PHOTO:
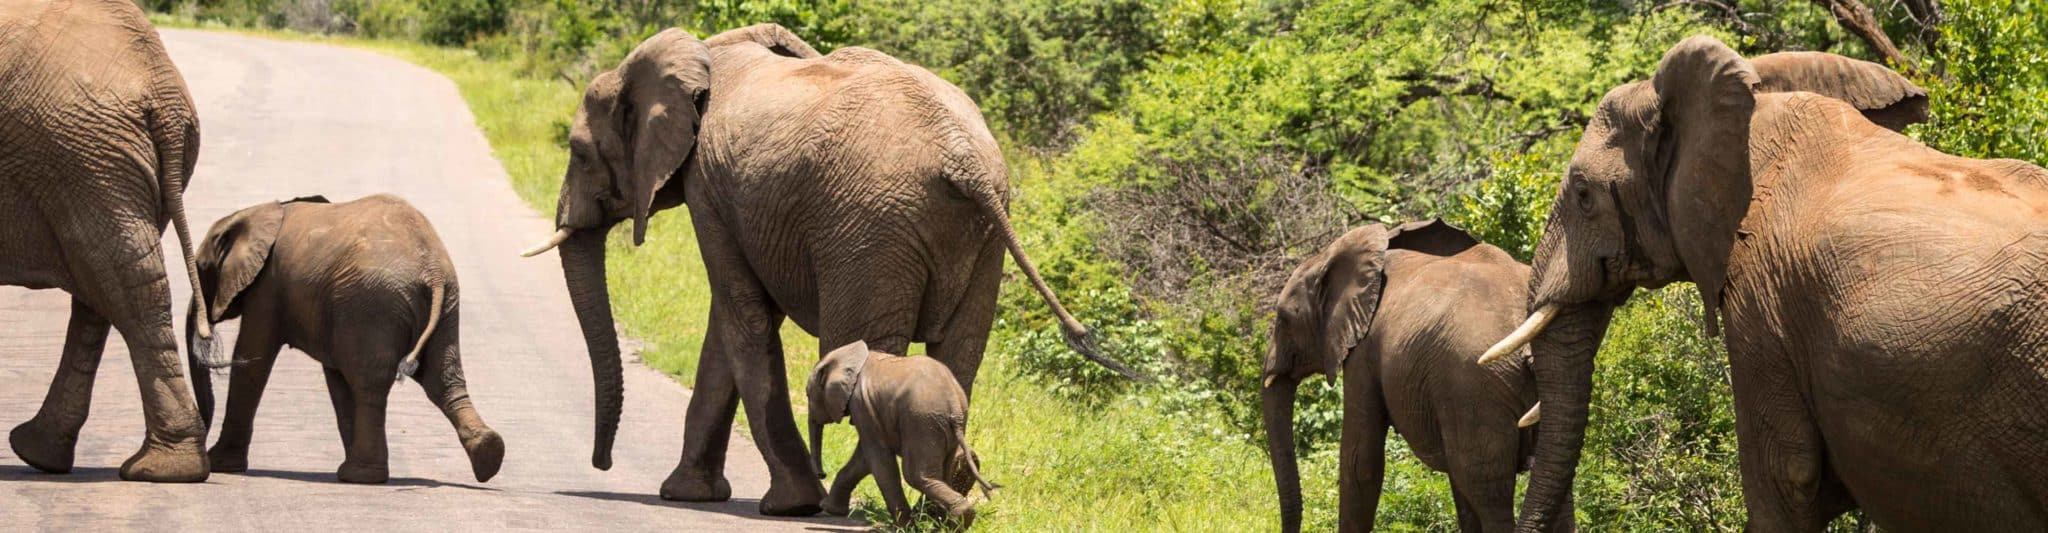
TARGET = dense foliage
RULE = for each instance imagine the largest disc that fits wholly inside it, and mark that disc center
(1174, 158)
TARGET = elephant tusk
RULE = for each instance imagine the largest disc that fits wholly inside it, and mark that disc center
(1522, 335)
(1534, 415)
(560, 236)
(1269, 380)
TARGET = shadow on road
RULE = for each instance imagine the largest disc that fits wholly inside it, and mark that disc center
(97, 474)
(742, 507)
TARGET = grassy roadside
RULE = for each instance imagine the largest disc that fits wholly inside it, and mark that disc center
(1065, 466)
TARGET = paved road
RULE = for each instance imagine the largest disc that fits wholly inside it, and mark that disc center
(287, 119)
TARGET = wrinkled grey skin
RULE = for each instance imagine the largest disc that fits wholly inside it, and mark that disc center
(859, 196)
(366, 289)
(906, 407)
(1882, 301)
(1404, 312)
(98, 139)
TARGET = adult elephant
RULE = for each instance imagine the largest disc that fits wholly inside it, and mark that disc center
(1404, 312)
(1883, 302)
(858, 195)
(98, 138)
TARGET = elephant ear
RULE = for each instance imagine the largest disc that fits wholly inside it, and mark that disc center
(1705, 94)
(663, 81)
(842, 370)
(1328, 305)
(1433, 237)
(234, 254)
(1884, 96)
(772, 36)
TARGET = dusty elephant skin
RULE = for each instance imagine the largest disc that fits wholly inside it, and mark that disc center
(857, 195)
(98, 138)
(1882, 301)
(1404, 312)
(366, 289)
(906, 407)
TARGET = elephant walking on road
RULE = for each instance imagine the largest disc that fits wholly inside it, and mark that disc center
(366, 289)
(1404, 312)
(98, 138)
(860, 196)
(1883, 302)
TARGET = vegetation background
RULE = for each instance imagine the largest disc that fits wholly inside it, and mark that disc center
(1174, 158)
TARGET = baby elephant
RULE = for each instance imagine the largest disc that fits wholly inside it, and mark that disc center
(902, 406)
(363, 287)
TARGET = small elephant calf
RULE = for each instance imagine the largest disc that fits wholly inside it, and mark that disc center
(902, 406)
(363, 287)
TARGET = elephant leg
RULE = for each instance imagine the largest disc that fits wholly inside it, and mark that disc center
(125, 281)
(1782, 459)
(756, 358)
(1482, 453)
(47, 441)
(925, 467)
(368, 453)
(1361, 460)
(255, 353)
(882, 464)
(344, 405)
(440, 376)
(839, 502)
(965, 339)
(707, 429)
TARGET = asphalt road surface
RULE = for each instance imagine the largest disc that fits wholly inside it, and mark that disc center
(282, 120)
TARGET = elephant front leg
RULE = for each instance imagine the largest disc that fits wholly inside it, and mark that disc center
(255, 354)
(1780, 453)
(839, 502)
(707, 429)
(47, 441)
(882, 463)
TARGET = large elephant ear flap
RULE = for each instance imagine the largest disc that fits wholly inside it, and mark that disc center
(843, 366)
(1706, 95)
(769, 35)
(1351, 290)
(234, 253)
(1882, 94)
(664, 81)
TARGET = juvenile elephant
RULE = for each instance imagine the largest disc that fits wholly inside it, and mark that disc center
(907, 407)
(858, 195)
(1882, 301)
(363, 287)
(98, 138)
(1404, 312)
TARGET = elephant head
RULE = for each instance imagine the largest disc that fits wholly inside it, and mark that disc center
(228, 261)
(830, 393)
(1661, 158)
(1324, 310)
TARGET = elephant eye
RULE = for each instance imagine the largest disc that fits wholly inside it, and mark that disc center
(1583, 196)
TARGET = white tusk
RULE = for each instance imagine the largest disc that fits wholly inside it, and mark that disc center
(1530, 418)
(1269, 380)
(1521, 336)
(556, 240)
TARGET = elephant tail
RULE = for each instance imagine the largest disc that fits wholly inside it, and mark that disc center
(411, 363)
(176, 136)
(974, 465)
(1077, 336)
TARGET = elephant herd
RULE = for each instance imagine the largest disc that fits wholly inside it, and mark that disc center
(1882, 303)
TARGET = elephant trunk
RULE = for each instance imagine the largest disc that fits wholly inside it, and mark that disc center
(1564, 378)
(1278, 407)
(818, 446)
(583, 267)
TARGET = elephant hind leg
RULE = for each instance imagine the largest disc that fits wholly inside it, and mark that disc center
(964, 341)
(48, 441)
(122, 277)
(440, 376)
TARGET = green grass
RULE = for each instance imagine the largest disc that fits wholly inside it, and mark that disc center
(1063, 465)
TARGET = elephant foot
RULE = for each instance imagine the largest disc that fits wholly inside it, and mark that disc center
(178, 463)
(961, 519)
(688, 488)
(362, 473)
(43, 449)
(793, 499)
(837, 505)
(224, 459)
(486, 453)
